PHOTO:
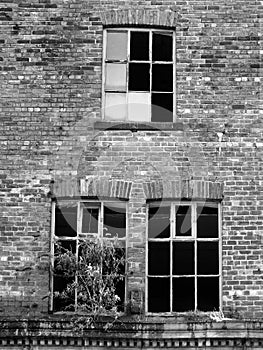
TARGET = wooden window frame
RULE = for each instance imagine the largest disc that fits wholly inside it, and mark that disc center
(192, 238)
(150, 61)
(93, 205)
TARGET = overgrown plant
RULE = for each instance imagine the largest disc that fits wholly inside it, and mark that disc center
(92, 278)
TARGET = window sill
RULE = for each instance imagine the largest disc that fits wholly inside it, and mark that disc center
(137, 126)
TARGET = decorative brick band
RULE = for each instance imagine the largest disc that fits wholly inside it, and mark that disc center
(139, 17)
(92, 187)
(188, 189)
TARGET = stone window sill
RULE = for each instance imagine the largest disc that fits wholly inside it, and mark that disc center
(135, 126)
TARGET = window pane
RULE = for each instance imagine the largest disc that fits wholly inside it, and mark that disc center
(114, 221)
(158, 294)
(66, 221)
(162, 107)
(115, 77)
(120, 292)
(183, 294)
(116, 45)
(139, 46)
(162, 47)
(207, 258)
(90, 218)
(183, 221)
(183, 258)
(208, 293)
(207, 222)
(115, 106)
(65, 246)
(159, 222)
(139, 77)
(159, 258)
(162, 77)
(139, 106)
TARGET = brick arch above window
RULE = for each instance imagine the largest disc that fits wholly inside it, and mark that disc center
(139, 17)
(184, 189)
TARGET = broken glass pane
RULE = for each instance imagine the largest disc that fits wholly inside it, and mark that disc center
(66, 221)
(139, 106)
(207, 222)
(183, 294)
(158, 294)
(139, 77)
(183, 221)
(207, 258)
(183, 258)
(162, 77)
(162, 47)
(114, 221)
(139, 46)
(116, 46)
(162, 107)
(208, 293)
(115, 76)
(90, 220)
(159, 258)
(159, 222)
(115, 106)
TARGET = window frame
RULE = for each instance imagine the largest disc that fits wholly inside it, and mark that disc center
(192, 238)
(128, 61)
(93, 204)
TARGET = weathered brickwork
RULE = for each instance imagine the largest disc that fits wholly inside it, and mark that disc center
(52, 139)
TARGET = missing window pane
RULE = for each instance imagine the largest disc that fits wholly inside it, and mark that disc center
(139, 49)
(114, 221)
(115, 77)
(66, 221)
(117, 45)
(207, 258)
(139, 77)
(115, 106)
(183, 294)
(159, 258)
(208, 293)
(183, 221)
(158, 294)
(162, 107)
(207, 222)
(90, 218)
(162, 77)
(162, 47)
(183, 258)
(159, 222)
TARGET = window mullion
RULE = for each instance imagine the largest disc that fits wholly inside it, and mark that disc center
(194, 223)
(150, 57)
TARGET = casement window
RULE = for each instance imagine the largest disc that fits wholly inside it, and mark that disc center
(183, 257)
(139, 75)
(76, 221)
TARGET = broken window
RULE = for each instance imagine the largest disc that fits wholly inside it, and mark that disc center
(139, 62)
(73, 224)
(183, 265)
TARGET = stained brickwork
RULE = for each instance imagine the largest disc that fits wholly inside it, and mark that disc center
(50, 102)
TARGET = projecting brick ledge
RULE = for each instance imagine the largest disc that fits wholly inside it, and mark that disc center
(165, 334)
(134, 126)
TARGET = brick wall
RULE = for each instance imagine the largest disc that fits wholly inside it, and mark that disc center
(51, 74)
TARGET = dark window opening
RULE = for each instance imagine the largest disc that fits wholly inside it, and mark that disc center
(90, 219)
(207, 293)
(139, 77)
(162, 47)
(158, 294)
(139, 49)
(162, 107)
(66, 221)
(162, 77)
(159, 222)
(207, 222)
(183, 221)
(114, 222)
(183, 294)
(159, 258)
(207, 258)
(183, 258)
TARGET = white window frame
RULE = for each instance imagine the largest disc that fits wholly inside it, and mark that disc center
(192, 238)
(129, 30)
(80, 235)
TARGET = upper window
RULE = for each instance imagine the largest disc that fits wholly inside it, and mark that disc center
(73, 224)
(139, 75)
(183, 270)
